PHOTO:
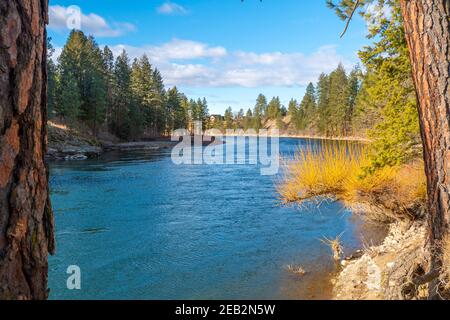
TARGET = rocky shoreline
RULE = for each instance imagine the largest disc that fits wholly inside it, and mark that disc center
(68, 144)
(378, 273)
(69, 152)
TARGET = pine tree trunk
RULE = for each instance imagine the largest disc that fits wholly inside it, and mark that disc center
(26, 219)
(428, 35)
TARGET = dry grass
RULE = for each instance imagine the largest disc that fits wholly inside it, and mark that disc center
(298, 270)
(446, 263)
(337, 170)
(336, 246)
(320, 171)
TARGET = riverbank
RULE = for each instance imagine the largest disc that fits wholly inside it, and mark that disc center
(314, 137)
(382, 271)
(66, 143)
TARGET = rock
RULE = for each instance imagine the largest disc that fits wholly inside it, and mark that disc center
(390, 265)
(76, 157)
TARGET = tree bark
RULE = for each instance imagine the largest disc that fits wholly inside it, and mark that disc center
(26, 219)
(427, 24)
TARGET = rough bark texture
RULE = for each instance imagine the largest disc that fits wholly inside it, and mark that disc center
(26, 219)
(428, 35)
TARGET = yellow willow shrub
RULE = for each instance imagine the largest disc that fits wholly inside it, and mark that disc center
(321, 170)
(339, 170)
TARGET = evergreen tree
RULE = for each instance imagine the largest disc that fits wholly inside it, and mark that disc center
(338, 100)
(176, 114)
(52, 81)
(323, 97)
(69, 98)
(157, 100)
(293, 109)
(94, 85)
(108, 69)
(228, 118)
(274, 108)
(142, 88)
(307, 109)
(248, 120)
(259, 111)
(121, 118)
(240, 118)
(353, 89)
(388, 94)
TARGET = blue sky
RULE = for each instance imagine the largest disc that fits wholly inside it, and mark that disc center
(225, 50)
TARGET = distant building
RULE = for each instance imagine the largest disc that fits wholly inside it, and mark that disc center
(215, 117)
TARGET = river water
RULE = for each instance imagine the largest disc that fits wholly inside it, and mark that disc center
(141, 227)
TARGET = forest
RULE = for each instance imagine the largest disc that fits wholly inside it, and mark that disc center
(88, 84)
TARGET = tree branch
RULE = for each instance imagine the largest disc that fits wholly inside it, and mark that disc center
(350, 17)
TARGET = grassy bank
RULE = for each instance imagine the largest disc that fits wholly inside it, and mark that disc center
(341, 171)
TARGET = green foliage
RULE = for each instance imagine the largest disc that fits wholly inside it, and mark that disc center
(88, 85)
(52, 81)
(248, 120)
(389, 93)
(306, 111)
(69, 98)
(229, 121)
(274, 108)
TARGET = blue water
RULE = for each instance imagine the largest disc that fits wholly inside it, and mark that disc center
(140, 227)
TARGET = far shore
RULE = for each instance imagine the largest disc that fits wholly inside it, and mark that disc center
(313, 137)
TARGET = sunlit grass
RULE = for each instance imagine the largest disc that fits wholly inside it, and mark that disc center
(339, 170)
(321, 170)
(446, 262)
(335, 246)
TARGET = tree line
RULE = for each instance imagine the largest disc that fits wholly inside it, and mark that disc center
(377, 100)
(128, 99)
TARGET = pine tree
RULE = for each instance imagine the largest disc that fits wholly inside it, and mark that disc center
(94, 86)
(176, 114)
(240, 118)
(157, 100)
(228, 118)
(259, 112)
(121, 120)
(307, 109)
(293, 108)
(52, 81)
(389, 95)
(248, 120)
(274, 108)
(353, 89)
(143, 90)
(338, 100)
(108, 69)
(323, 98)
(69, 98)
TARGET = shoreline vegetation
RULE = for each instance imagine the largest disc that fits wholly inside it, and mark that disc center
(393, 196)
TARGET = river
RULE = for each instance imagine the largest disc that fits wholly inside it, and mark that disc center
(141, 227)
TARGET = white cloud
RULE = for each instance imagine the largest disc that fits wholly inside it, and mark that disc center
(61, 18)
(171, 8)
(196, 64)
